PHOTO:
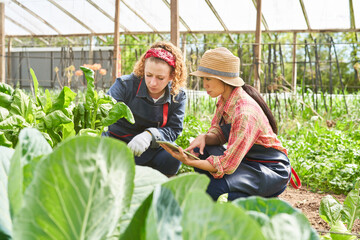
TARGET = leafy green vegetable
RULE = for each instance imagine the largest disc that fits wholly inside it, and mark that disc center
(336, 214)
(94, 114)
(146, 179)
(4, 141)
(119, 110)
(5, 100)
(36, 84)
(330, 209)
(351, 209)
(166, 214)
(5, 219)
(278, 220)
(205, 219)
(5, 88)
(340, 228)
(31, 145)
(84, 189)
(79, 191)
(57, 117)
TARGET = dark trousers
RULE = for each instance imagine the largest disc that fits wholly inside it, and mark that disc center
(156, 158)
(251, 178)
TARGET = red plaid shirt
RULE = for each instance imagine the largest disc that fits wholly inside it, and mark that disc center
(249, 125)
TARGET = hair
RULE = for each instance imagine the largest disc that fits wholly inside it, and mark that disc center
(179, 71)
(259, 99)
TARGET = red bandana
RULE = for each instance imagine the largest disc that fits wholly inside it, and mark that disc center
(162, 54)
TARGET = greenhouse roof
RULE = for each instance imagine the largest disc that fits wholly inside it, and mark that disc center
(96, 17)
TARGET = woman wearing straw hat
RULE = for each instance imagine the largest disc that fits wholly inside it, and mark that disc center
(153, 93)
(254, 162)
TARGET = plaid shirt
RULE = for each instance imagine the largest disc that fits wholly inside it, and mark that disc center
(249, 125)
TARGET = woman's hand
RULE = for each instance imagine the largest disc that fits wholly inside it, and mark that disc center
(185, 159)
(179, 154)
(199, 142)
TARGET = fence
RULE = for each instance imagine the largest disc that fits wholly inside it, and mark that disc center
(322, 67)
(52, 66)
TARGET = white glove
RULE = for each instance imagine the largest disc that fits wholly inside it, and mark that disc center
(140, 143)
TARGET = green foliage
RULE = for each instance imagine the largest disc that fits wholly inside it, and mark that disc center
(87, 188)
(56, 116)
(97, 110)
(323, 146)
(30, 147)
(326, 159)
(337, 215)
(51, 117)
(193, 126)
(77, 199)
(278, 219)
(5, 219)
(197, 205)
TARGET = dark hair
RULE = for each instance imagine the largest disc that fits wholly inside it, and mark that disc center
(259, 99)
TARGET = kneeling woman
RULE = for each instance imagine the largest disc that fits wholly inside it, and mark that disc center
(254, 161)
(155, 96)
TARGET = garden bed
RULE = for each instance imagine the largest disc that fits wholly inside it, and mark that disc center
(309, 202)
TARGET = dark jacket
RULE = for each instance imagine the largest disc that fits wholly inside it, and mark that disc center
(148, 115)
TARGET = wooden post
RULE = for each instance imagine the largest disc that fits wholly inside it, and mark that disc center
(9, 62)
(184, 45)
(2, 42)
(174, 24)
(116, 58)
(294, 66)
(257, 49)
(91, 50)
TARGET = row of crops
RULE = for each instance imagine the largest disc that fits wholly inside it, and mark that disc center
(58, 116)
(61, 180)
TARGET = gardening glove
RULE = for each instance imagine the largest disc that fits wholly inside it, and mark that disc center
(140, 143)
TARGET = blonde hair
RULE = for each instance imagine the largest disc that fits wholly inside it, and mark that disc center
(179, 71)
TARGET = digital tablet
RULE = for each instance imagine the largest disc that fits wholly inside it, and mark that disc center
(175, 148)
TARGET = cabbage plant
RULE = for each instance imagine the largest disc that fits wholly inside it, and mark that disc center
(88, 187)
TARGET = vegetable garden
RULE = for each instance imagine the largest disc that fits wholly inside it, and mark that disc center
(61, 180)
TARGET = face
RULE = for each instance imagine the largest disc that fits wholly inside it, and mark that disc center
(157, 77)
(214, 87)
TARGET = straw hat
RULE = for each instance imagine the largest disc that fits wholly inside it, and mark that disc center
(220, 63)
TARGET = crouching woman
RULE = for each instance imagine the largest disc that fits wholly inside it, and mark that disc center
(254, 161)
(155, 96)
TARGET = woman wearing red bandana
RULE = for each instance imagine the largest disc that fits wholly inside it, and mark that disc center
(154, 95)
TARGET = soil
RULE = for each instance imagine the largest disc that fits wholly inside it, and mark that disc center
(309, 202)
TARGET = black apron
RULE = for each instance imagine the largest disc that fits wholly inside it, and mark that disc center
(159, 118)
(263, 171)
